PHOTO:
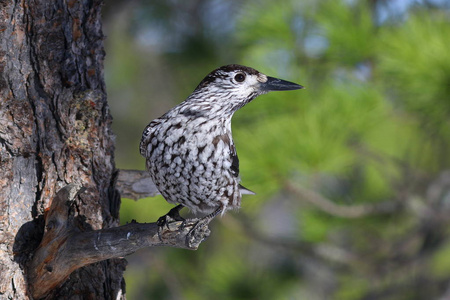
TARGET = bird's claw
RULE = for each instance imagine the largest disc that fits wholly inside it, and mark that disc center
(172, 215)
(198, 233)
(203, 223)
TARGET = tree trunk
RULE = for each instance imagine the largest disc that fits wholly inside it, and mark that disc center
(54, 130)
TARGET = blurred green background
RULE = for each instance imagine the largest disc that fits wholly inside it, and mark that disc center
(352, 174)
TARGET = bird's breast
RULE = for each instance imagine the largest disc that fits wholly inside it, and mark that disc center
(193, 137)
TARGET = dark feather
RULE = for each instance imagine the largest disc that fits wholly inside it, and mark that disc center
(234, 162)
(245, 191)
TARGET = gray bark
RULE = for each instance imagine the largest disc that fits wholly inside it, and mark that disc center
(54, 130)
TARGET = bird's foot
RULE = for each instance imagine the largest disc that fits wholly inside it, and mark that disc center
(171, 216)
(202, 224)
(214, 214)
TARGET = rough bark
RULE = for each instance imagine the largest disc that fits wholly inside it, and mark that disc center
(54, 130)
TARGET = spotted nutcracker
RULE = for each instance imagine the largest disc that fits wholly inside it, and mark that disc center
(190, 152)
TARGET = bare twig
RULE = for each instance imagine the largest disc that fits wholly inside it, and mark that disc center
(135, 184)
(64, 249)
(353, 211)
(307, 249)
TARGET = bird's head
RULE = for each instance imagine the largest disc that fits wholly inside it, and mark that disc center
(236, 85)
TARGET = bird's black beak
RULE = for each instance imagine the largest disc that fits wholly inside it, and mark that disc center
(275, 84)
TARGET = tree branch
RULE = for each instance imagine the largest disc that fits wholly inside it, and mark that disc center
(344, 211)
(64, 248)
(135, 184)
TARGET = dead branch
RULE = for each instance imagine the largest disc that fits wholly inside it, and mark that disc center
(349, 211)
(64, 248)
(135, 184)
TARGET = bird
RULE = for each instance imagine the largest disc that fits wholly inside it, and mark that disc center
(189, 151)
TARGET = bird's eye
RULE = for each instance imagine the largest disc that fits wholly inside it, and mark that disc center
(239, 77)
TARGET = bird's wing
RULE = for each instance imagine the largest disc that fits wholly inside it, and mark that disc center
(234, 161)
(235, 170)
(147, 137)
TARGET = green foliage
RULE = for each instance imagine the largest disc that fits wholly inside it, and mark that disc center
(371, 128)
(415, 64)
(349, 29)
(440, 264)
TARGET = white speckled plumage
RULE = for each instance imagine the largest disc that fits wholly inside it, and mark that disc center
(190, 152)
